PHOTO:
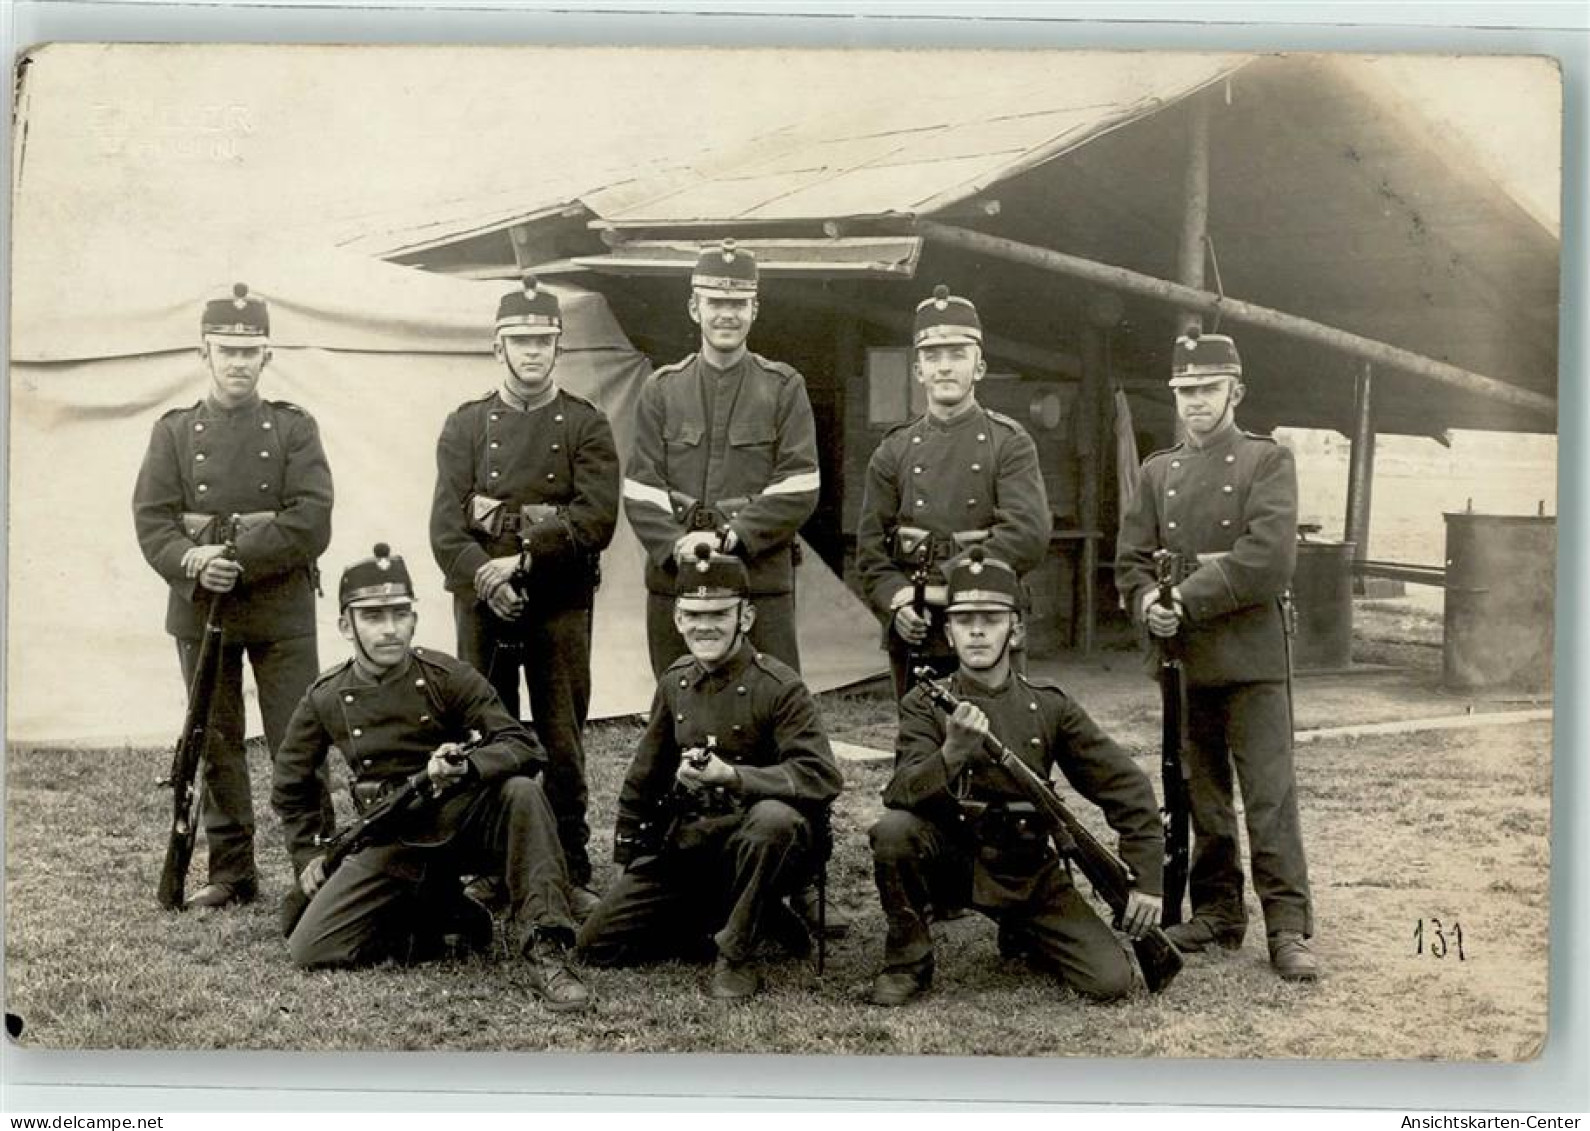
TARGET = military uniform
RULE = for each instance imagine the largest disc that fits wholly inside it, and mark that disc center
(716, 864)
(262, 460)
(971, 480)
(936, 487)
(372, 907)
(972, 840)
(1228, 505)
(493, 459)
(739, 444)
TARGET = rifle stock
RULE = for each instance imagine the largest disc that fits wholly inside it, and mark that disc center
(186, 776)
(1109, 876)
(1174, 814)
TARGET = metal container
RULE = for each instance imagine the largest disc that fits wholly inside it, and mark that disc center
(1501, 573)
(1322, 600)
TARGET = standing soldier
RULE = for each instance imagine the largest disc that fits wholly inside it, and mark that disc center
(725, 805)
(956, 476)
(526, 500)
(1226, 501)
(725, 456)
(237, 453)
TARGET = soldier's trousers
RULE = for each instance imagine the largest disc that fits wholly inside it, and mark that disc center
(1248, 727)
(383, 902)
(553, 649)
(721, 879)
(283, 671)
(916, 863)
(772, 632)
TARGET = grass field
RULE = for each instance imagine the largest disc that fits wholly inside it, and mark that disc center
(1451, 827)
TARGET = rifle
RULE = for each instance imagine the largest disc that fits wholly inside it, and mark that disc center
(1112, 880)
(186, 776)
(371, 826)
(1169, 569)
(702, 517)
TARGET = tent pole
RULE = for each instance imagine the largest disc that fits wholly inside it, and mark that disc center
(1361, 471)
(1195, 213)
(1089, 401)
(1134, 282)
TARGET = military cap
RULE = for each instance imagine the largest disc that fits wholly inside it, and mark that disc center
(1202, 357)
(379, 580)
(711, 582)
(238, 320)
(979, 583)
(529, 310)
(946, 319)
(725, 271)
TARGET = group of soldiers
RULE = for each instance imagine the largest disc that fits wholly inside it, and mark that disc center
(723, 821)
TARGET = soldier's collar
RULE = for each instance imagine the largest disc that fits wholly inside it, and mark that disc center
(391, 675)
(213, 407)
(966, 682)
(520, 404)
(732, 667)
(1221, 439)
(961, 419)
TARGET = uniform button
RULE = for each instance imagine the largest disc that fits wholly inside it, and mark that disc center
(419, 683)
(558, 419)
(1228, 488)
(425, 718)
(914, 439)
(494, 417)
(557, 447)
(682, 681)
(977, 467)
(740, 690)
(679, 718)
(1175, 464)
(921, 502)
(981, 437)
(916, 471)
(358, 732)
(1035, 742)
(971, 502)
(203, 487)
(495, 445)
(347, 697)
(198, 427)
(736, 726)
(1231, 459)
(552, 477)
(1172, 525)
(264, 486)
(1172, 491)
(266, 426)
(1032, 707)
(494, 475)
(369, 762)
(199, 456)
(1225, 522)
(264, 455)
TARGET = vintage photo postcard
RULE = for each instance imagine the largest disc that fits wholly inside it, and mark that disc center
(1019, 553)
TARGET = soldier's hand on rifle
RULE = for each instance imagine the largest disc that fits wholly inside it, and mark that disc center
(442, 771)
(685, 547)
(313, 875)
(1163, 621)
(967, 736)
(715, 772)
(197, 557)
(1142, 912)
(494, 574)
(505, 601)
(220, 574)
(913, 629)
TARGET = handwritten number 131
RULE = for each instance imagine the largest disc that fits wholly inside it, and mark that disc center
(1438, 938)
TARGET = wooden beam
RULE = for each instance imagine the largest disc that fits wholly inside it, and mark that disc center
(1361, 468)
(1147, 286)
(1195, 211)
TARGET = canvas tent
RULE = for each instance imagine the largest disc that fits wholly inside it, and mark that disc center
(379, 354)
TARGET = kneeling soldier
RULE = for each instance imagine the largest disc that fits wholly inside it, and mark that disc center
(393, 710)
(724, 811)
(958, 833)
